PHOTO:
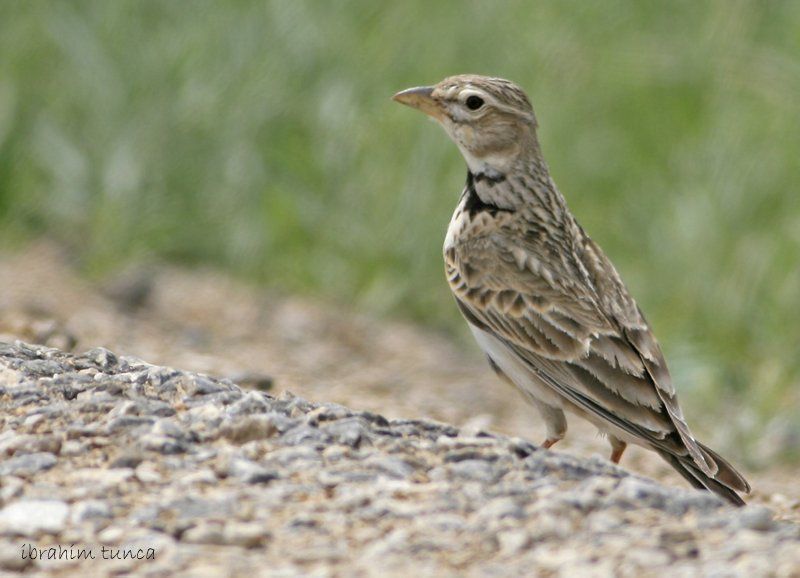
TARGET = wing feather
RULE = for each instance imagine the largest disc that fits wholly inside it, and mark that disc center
(584, 337)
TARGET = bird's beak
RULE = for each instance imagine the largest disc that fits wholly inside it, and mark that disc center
(421, 98)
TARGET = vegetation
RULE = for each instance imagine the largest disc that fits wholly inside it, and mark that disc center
(260, 137)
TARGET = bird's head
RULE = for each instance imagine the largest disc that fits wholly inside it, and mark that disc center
(490, 119)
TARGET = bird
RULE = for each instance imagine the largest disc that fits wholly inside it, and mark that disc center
(542, 299)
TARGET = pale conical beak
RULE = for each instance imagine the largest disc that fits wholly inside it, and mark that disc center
(421, 98)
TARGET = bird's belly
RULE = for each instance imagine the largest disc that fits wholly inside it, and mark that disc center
(531, 385)
(515, 369)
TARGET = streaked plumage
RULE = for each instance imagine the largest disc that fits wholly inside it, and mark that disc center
(542, 299)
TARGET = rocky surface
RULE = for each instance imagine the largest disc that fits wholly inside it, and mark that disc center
(194, 476)
(203, 321)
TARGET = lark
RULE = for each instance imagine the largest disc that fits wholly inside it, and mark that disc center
(542, 299)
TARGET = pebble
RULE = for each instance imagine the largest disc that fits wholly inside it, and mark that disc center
(162, 444)
(511, 542)
(349, 431)
(249, 428)
(147, 473)
(11, 487)
(31, 518)
(245, 534)
(757, 518)
(250, 472)
(205, 532)
(101, 357)
(28, 464)
(89, 510)
(477, 470)
(203, 476)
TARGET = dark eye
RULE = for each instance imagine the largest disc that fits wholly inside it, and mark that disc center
(474, 102)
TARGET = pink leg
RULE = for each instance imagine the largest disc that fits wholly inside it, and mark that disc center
(617, 449)
(549, 442)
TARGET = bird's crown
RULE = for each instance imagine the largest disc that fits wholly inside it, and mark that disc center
(471, 89)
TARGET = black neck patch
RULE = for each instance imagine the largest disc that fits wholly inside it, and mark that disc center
(489, 179)
(474, 203)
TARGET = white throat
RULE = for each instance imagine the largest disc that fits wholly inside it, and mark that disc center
(490, 165)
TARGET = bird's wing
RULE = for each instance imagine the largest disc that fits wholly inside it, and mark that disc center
(574, 325)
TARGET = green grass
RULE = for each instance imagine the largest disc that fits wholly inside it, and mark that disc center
(260, 137)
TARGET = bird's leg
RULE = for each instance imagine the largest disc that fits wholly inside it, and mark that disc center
(550, 442)
(617, 449)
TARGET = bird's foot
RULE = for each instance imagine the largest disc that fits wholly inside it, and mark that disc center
(550, 442)
(617, 449)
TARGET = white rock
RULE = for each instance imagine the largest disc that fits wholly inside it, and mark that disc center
(33, 517)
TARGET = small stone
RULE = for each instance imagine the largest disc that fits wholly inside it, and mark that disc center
(476, 470)
(33, 517)
(349, 432)
(124, 422)
(327, 412)
(168, 428)
(11, 558)
(249, 472)
(28, 464)
(11, 487)
(98, 479)
(127, 460)
(521, 448)
(159, 376)
(306, 435)
(245, 535)
(636, 492)
(42, 368)
(758, 518)
(647, 557)
(32, 421)
(111, 535)
(204, 476)
(204, 532)
(512, 542)
(163, 444)
(251, 402)
(249, 428)
(201, 385)
(148, 474)
(102, 358)
(503, 507)
(89, 510)
(393, 467)
(205, 412)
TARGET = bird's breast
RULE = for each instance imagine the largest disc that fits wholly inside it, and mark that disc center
(469, 225)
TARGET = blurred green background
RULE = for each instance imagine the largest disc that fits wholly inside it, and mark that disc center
(260, 137)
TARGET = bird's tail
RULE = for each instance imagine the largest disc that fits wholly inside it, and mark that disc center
(725, 483)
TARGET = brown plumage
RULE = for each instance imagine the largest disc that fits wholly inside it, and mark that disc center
(542, 299)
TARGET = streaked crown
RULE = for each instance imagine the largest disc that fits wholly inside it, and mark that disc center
(497, 93)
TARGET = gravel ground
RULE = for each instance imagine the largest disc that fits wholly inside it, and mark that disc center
(203, 322)
(196, 476)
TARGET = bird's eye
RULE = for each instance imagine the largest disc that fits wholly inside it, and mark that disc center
(474, 102)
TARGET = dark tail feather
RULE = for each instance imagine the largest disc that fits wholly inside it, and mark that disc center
(687, 468)
(726, 473)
